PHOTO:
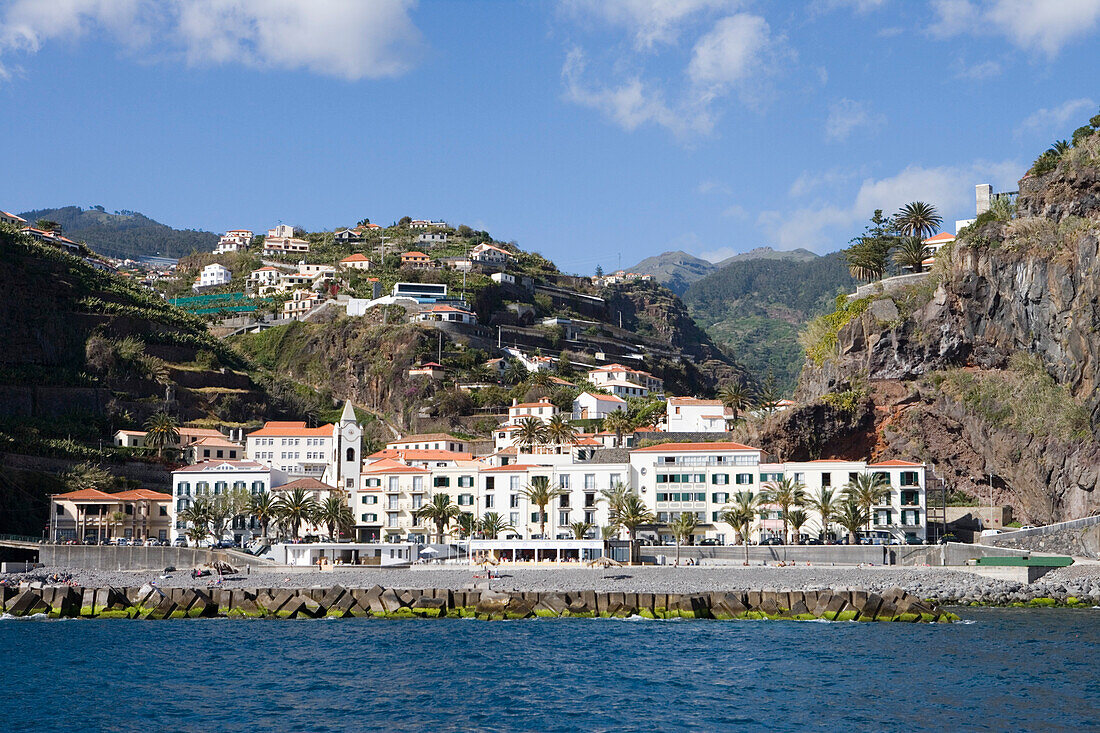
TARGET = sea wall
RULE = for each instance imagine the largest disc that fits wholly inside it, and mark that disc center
(109, 557)
(151, 602)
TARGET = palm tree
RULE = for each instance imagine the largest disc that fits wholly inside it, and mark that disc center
(580, 529)
(735, 398)
(797, 519)
(633, 514)
(785, 493)
(198, 515)
(911, 254)
(531, 433)
(264, 509)
(560, 431)
(867, 490)
(741, 513)
(492, 525)
(335, 514)
(296, 507)
(467, 525)
(618, 422)
(918, 219)
(440, 510)
(515, 372)
(1059, 147)
(539, 379)
(682, 527)
(867, 258)
(826, 504)
(540, 493)
(161, 430)
(852, 517)
(616, 500)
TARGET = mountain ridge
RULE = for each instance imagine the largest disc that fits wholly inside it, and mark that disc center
(124, 234)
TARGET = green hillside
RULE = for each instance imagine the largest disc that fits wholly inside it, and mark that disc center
(124, 234)
(756, 308)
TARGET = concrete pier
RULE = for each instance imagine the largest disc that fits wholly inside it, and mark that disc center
(152, 602)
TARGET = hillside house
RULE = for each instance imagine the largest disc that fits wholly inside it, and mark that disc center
(416, 260)
(694, 415)
(544, 409)
(431, 370)
(426, 224)
(265, 276)
(357, 261)
(446, 314)
(430, 441)
(235, 240)
(487, 254)
(605, 375)
(348, 236)
(54, 238)
(12, 219)
(300, 304)
(590, 406)
(213, 275)
(433, 238)
(210, 449)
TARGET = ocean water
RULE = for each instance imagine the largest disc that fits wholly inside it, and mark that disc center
(999, 670)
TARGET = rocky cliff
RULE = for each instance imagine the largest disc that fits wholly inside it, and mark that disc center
(988, 368)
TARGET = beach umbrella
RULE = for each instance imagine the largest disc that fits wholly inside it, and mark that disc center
(429, 551)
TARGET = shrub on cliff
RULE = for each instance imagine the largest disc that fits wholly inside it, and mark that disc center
(819, 338)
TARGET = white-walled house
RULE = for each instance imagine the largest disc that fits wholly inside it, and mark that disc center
(590, 406)
(357, 261)
(329, 453)
(694, 415)
(544, 409)
(235, 240)
(212, 479)
(487, 254)
(213, 275)
(446, 314)
(430, 441)
(264, 277)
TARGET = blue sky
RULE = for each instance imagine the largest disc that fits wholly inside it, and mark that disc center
(587, 130)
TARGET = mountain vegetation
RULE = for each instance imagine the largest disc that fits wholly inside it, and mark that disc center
(755, 308)
(124, 234)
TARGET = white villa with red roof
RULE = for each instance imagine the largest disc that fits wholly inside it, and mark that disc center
(235, 240)
(590, 406)
(446, 314)
(357, 261)
(694, 415)
(488, 254)
(88, 515)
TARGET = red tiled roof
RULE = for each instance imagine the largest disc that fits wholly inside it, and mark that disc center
(86, 495)
(147, 494)
(666, 447)
(513, 467)
(388, 465)
(422, 454)
(291, 429)
(693, 401)
(309, 484)
(887, 464)
(941, 237)
(357, 257)
(218, 465)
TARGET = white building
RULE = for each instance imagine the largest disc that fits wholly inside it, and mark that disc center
(264, 277)
(617, 373)
(433, 238)
(446, 314)
(235, 240)
(213, 479)
(12, 219)
(430, 441)
(693, 415)
(357, 261)
(281, 240)
(590, 406)
(487, 254)
(329, 453)
(213, 275)
(544, 409)
(299, 305)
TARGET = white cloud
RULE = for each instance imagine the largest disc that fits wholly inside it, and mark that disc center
(979, 72)
(736, 54)
(1033, 25)
(651, 22)
(342, 38)
(735, 211)
(808, 182)
(1053, 121)
(859, 6)
(826, 227)
(718, 254)
(712, 186)
(731, 52)
(848, 115)
(629, 104)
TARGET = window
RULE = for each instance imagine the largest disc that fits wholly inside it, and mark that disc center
(720, 479)
(465, 482)
(350, 454)
(465, 499)
(441, 481)
(513, 519)
(513, 483)
(909, 478)
(418, 501)
(163, 511)
(394, 483)
(535, 517)
(513, 501)
(392, 503)
(590, 481)
(490, 483)
(826, 479)
(744, 478)
(220, 487)
(563, 519)
(418, 483)
(662, 517)
(563, 481)
(714, 516)
(852, 476)
(589, 500)
(615, 479)
(391, 519)
(720, 497)
(488, 501)
(202, 487)
(373, 482)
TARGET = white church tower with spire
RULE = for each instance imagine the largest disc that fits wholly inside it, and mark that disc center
(347, 441)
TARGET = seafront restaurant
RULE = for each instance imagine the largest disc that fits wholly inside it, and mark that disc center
(90, 515)
(327, 555)
(536, 551)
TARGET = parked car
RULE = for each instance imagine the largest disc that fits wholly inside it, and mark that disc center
(152, 542)
(224, 544)
(810, 541)
(708, 542)
(772, 541)
(180, 542)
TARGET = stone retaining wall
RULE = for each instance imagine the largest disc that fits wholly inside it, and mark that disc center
(151, 602)
(109, 557)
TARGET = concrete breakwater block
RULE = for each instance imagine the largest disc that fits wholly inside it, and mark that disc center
(153, 603)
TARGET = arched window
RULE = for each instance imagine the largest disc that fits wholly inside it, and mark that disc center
(351, 454)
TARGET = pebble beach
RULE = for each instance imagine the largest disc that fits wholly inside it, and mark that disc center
(950, 587)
